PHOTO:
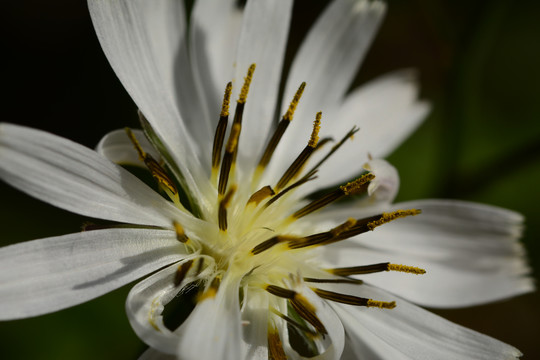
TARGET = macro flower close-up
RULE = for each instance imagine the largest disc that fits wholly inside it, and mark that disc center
(253, 203)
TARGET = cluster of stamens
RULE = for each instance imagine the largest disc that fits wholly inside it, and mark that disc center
(224, 156)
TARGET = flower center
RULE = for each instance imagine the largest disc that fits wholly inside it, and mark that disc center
(261, 236)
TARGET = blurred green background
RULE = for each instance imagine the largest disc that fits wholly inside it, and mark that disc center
(479, 65)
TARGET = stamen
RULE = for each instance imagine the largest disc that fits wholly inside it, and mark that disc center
(260, 195)
(352, 188)
(275, 346)
(280, 292)
(247, 82)
(307, 311)
(299, 162)
(267, 244)
(334, 281)
(221, 129)
(228, 158)
(353, 300)
(293, 322)
(314, 139)
(182, 271)
(406, 269)
(158, 172)
(387, 217)
(338, 230)
(374, 268)
(280, 130)
(223, 205)
(180, 233)
(347, 136)
(302, 181)
(357, 186)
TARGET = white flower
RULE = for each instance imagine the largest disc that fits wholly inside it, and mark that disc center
(266, 267)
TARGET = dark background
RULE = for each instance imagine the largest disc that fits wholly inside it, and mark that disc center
(479, 65)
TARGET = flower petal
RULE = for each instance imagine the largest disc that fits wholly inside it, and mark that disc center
(385, 186)
(470, 251)
(117, 147)
(143, 42)
(262, 41)
(410, 332)
(216, 321)
(147, 299)
(50, 274)
(75, 178)
(214, 32)
(327, 60)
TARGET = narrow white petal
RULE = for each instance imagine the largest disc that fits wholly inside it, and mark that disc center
(327, 61)
(470, 251)
(214, 32)
(144, 42)
(147, 299)
(213, 330)
(46, 275)
(73, 177)
(117, 147)
(410, 332)
(262, 41)
(255, 325)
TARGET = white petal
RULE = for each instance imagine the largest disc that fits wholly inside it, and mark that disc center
(470, 251)
(46, 275)
(75, 178)
(117, 147)
(142, 41)
(386, 110)
(255, 325)
(385, 186)
(262, 41)
(147, 299)
(214, 32)
(327, 61)
(409, 332)
(213, 330)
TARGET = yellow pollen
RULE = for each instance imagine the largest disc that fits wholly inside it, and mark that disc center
(387, 217)
(233, 138)
(356, 186)
(406, 269)
(247, 82)
(314, 139)
(381, 304)
(226, 100)
(294, 103)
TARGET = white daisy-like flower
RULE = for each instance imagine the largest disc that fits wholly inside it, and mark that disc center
(232, 232)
